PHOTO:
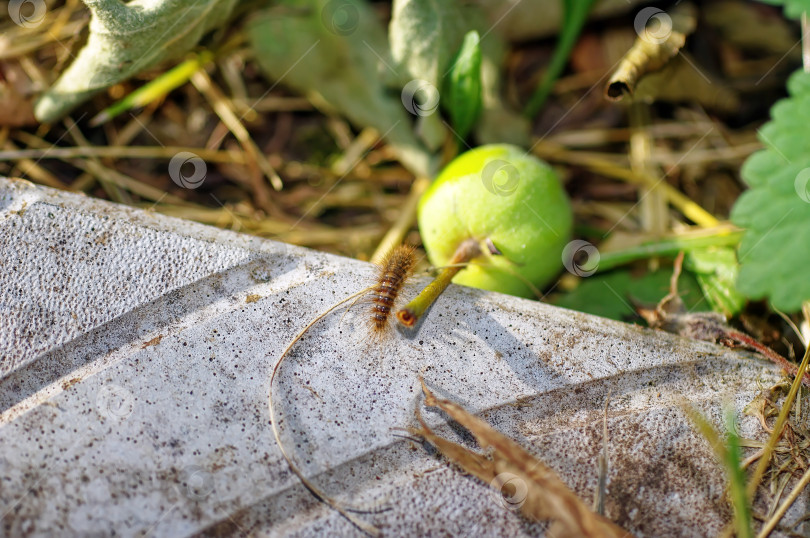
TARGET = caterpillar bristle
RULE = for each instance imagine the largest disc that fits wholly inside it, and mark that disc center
(394, 270)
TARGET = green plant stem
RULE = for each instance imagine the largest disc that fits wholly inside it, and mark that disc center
(160, 86)
(574, 14)
(667, 247)
(410, 314)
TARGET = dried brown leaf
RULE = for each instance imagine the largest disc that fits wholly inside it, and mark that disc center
(543, 496)
(660, 37)
(682, 80)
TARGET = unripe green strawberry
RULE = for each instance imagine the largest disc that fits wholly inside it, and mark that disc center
(501, 196)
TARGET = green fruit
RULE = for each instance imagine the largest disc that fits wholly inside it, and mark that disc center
(514, 200)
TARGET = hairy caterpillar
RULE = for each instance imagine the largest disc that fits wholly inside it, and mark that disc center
(394, 270)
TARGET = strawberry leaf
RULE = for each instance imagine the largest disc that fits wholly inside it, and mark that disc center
(793, 8)
(775, 250)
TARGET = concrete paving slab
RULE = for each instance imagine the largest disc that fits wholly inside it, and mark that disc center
(136, 352)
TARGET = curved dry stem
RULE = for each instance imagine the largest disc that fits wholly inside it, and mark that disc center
(318, 493)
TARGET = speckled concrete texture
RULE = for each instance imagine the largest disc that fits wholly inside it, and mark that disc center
(136, 351)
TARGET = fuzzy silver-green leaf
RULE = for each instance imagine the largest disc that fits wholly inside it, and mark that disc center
(124, 40)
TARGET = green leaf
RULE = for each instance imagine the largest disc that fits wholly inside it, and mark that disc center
(775, 251)
(736, 475)
(124, 40)
(575, 12)
(424, 35)
(462, 97)
(608, 295)
(729, 453)
(793, 8)
(716, 271)
(337, 55)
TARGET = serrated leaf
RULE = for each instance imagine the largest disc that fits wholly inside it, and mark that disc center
(463, 89)
(775, 251)
(716, 271)
(608, 295)
(339, 65)
(124, 40)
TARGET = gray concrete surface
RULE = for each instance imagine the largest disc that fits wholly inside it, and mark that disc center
(136, 351)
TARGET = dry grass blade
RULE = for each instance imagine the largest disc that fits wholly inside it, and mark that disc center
(778, 429)
(602, 165)
(404, 222)
(653, 48)
(546, 496)
(728, 453)
(17, 41)
(771, 524)
(31, 169)
(118, 152)
(223, 109)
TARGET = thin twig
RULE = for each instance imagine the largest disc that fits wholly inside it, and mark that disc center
(121, 152)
